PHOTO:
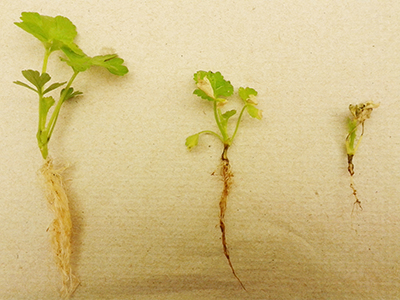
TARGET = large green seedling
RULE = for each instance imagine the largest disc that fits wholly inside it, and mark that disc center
(360, 113)
(214, 88)
(58, 34)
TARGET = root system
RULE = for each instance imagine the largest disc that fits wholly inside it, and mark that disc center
(357, 201)
(227, 175)
(60, 228)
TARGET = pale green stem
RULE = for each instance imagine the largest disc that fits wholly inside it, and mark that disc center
(45, 60)
(350, 142)
(225, 136)
(213, 133)
(42, 118)
(358, 144)
(54, 116)
(351, 150)
(238, 122)
(359, 139)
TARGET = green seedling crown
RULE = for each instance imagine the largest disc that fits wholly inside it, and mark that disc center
(58, 34)
(214, 88)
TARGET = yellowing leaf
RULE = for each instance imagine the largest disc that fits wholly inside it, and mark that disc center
(192, 141)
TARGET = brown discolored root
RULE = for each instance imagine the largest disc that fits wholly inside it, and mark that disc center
(350, 167)
(227, 175)
(60, 228)
(357, 202)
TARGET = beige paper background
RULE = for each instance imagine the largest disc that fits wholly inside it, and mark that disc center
(145, 209)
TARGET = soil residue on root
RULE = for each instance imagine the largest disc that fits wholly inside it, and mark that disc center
(227, 175)
(60, 228)
(350, 168)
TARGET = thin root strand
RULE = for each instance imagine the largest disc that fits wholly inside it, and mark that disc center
(351, 171)
(357, 202)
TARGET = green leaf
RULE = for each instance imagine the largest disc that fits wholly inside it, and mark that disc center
(220, 87)
(202, 94)
(54, 86)
(192, 141)
(228, 114)
(52, 32)
(25, 85)
(254, 112)
(247, 95)
(111, 62)
(80, 62)
(225, 118)
(70, 93)
(37, 79)
(48, 102)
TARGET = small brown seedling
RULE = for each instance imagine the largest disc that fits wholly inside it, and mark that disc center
(360, 113)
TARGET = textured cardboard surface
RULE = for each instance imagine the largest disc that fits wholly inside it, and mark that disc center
(145, 209)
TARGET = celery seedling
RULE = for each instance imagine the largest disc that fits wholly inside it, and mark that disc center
(58, 34)
(360, 113)
(214, 88)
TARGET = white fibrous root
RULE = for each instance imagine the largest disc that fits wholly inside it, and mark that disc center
(60, 228)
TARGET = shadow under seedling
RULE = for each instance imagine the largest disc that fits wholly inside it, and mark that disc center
(360, 113)
(58, 34)
(214, 88)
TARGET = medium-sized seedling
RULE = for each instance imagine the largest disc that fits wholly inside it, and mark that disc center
(58, 34)
(214, 88)
(360, 113)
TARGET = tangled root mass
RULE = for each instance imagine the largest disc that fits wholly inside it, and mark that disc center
(60, 228)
